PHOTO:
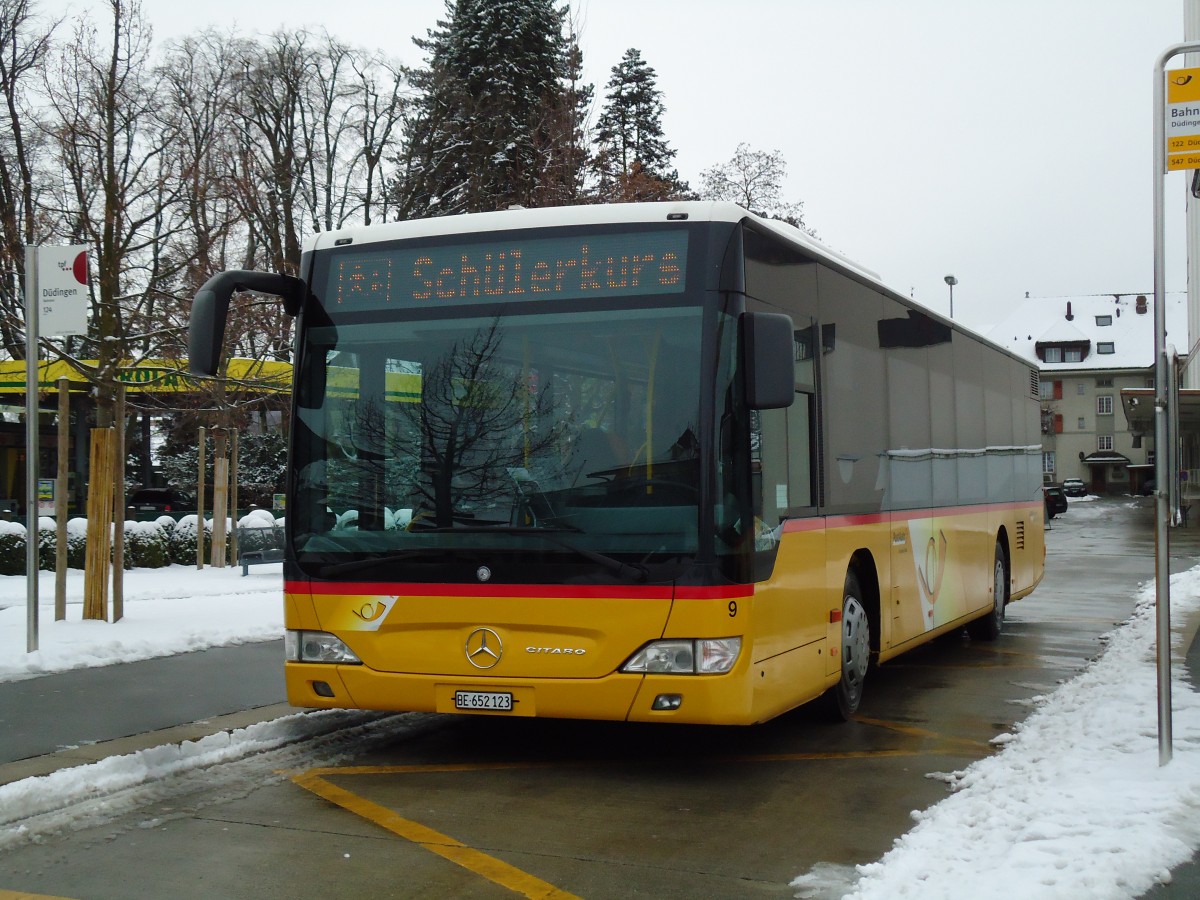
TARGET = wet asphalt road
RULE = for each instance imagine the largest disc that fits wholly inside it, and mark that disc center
(429, 806)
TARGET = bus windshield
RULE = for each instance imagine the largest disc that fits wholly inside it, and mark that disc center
(561, 432)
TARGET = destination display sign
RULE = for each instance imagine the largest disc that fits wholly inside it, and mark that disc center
(508, 269)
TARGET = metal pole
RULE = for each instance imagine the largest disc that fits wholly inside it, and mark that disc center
(1162, 454)
(118, 477)
(60, 501)
(31, 450)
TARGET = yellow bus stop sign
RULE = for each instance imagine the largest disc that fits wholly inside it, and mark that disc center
(1183, 119)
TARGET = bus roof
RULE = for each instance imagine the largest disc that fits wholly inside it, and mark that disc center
(594, 214)
(621, 213)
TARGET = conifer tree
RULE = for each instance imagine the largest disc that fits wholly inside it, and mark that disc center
(633, 161)
(491, 103)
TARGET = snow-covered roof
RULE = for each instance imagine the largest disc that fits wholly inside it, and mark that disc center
(518, 218)
(1043, 320)
(1062, 332)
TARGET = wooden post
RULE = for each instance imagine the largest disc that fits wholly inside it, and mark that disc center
(220, 496)
(200, 454)
(118, 470)
(61, 510)
(233, 494)
(95, 577)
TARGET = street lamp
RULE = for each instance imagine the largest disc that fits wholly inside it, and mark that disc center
(952, 281)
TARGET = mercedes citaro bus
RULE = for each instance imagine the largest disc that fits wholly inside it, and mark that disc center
(665, 462)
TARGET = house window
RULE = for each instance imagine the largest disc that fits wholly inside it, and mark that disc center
(1052, 422)
(1104, 382)
(1053, 354)
(1106, 347)
(1104, 405)
(1103, 320)
(1048, 466)
(1104, 442)
(1046, 390)
(1082, 425)
(1073, 355)
(1080, 388)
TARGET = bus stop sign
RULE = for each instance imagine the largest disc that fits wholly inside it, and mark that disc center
(1183, 119)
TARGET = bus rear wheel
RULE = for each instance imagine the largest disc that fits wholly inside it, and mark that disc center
(843, 699)
(990, 626)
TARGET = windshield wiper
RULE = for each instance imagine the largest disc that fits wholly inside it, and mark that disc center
(633, 571)
(636, 571)
(499, 528)
(394, 556)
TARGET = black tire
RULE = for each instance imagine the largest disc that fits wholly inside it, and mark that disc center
(990, 627)
(843, 699)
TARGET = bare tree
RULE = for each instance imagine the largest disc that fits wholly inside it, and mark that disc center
(24, 47)
(754, 179)
(102, 116)
(380, 106)
(272, 155)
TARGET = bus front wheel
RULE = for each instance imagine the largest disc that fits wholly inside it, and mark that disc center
(844, 697)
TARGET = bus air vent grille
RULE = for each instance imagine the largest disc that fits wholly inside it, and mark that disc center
(1035, 385)
(1020, 534)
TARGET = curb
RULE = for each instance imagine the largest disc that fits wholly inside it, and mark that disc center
(82, 755)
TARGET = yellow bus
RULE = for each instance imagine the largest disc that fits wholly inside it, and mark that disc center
(665, 462)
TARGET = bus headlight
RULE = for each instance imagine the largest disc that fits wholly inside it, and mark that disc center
(317, 647)
(704, 656)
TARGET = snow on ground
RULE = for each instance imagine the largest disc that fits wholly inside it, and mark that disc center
(166, 611)
(1074, 803)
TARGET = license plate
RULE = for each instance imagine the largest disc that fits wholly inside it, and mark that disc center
(483, 700)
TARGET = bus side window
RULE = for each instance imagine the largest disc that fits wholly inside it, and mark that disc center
(800, 450)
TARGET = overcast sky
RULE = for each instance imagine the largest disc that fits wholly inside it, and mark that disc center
(1006, 142)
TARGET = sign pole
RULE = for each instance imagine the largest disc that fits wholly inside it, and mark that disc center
(31, 449)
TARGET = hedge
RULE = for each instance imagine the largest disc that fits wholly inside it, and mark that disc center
(148, 545)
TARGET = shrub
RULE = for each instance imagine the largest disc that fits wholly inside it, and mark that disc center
(12, 548)
(146, 545)
(76, 543)
(181, 541)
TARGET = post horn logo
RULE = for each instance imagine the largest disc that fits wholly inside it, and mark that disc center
(484, 648)
(372, 613)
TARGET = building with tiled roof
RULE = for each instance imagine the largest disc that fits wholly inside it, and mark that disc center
(1087, 350)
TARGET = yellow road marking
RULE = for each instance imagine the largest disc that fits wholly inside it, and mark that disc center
(489, 867)
(925, 734)
(505, 875)
(21, 895)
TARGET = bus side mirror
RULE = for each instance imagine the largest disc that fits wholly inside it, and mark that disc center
(206, 325)
(768, 360)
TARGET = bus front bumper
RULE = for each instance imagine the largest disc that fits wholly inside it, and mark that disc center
(695, 699)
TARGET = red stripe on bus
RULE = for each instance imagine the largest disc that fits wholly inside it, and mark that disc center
(900, 515)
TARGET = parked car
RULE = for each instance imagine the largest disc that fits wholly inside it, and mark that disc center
(169, 500)
(1056, 501)
(1074, 487)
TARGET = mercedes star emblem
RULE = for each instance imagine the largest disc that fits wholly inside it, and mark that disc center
(484, 648)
